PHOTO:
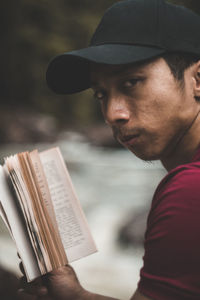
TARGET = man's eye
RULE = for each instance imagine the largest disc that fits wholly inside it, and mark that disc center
(99, 95)
(130, 83)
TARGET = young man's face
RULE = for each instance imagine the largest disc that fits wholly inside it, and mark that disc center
(145, 106)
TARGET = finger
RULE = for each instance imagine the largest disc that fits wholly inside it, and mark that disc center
(22, 282)
(37, 292)
(34, 288)
(22, 295)
(26, 285)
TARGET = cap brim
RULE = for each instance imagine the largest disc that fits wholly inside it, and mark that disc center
(69, 73)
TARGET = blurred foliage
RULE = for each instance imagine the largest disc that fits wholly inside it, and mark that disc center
(32, 32)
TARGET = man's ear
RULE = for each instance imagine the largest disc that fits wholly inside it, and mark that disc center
(196, 77)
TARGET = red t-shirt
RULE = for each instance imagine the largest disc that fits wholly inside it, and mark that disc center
(171, 269)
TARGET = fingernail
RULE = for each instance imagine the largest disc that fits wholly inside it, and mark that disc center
(42, 291)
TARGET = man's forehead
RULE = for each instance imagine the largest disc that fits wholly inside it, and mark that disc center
(101, 71)
(98, 71)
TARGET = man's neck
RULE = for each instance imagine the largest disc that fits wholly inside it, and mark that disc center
(186, 148)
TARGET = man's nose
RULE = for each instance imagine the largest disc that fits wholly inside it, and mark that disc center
(117, 111)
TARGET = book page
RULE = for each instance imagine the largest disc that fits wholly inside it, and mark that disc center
(73, 227)
(47, 203)
(22, 197)
(52, 256)
(4, 218)
(43, 185)
(17, 227)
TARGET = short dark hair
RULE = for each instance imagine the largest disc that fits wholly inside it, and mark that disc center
(178, 62)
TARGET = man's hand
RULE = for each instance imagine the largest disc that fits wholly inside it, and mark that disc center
(60, 284)
(63, 284)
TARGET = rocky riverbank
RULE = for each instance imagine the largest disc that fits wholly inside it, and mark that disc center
(26, 126)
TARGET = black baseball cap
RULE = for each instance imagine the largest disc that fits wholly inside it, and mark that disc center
(130, 31)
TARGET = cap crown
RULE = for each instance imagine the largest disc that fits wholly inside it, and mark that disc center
(150, 23)
(131, 31)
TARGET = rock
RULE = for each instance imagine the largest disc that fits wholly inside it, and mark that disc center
(26, 126)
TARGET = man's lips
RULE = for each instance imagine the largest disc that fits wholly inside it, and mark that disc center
(128, 139)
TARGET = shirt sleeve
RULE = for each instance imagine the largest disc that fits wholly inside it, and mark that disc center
(171, 267)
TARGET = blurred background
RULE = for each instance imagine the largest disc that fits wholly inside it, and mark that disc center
(114, 187)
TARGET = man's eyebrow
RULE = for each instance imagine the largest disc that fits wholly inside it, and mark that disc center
(118, 71)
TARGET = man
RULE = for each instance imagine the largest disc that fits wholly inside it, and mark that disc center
(143, 65)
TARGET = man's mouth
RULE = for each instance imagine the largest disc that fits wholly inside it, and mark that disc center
(128, 140)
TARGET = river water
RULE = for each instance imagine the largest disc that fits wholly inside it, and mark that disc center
(111, 185)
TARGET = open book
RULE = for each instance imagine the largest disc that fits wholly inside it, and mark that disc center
(40, 208)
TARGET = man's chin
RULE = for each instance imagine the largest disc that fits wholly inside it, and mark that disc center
(145, 156)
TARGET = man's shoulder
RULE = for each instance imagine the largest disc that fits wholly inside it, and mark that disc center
(175, 209)
(180, 179)
(172, 235)
(180, 187)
